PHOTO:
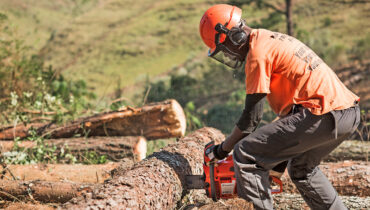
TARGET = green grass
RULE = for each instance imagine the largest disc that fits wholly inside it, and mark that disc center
(132, 40)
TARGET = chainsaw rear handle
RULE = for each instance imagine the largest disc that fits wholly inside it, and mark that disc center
(279, 183)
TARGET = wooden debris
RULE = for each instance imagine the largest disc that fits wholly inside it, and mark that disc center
(115, 148)
(154, 121)
(285, 201)
(230, 204)
(348, 178)
(156, 182)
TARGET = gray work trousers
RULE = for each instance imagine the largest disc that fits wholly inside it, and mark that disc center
(301, 138)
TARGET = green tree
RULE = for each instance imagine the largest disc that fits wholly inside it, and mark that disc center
(278, 8)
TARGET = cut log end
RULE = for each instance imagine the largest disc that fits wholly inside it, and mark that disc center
(140, 149)
(180, 115)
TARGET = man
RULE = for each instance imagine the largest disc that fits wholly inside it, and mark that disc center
(317, 112)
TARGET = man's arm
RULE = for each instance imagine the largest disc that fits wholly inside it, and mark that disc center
(248, 122)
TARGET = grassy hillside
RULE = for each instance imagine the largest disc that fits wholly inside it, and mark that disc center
(114, 44)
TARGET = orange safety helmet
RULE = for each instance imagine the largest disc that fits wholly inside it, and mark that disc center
(225, 14)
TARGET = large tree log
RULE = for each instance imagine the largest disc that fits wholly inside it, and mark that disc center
(48, 192)
(61, 172)
(154, 121)
(348, 178)
(350, 150)
(156, 182)
(115, 148)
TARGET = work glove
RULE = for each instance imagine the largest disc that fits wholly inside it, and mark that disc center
(219, 152)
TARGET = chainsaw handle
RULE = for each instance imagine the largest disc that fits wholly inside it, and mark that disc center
(278, 182)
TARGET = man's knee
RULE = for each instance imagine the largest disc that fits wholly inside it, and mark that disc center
(301, 174)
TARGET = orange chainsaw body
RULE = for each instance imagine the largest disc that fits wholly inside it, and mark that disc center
(219, 177)
(224, 178)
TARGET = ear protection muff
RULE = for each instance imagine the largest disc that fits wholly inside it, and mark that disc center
(236, 35)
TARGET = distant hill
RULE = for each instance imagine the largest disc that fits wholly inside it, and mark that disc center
(117, 43)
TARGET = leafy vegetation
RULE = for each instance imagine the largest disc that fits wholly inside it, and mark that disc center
(31, 92)
(61, 60)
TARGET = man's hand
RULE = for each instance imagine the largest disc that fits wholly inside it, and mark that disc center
(219, 152)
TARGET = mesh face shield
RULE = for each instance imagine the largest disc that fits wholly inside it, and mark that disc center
(222, 53)
(225, 56)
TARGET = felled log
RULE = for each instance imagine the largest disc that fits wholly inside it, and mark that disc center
(157, 182)
(60, 172)
(153, 121)
(350, 150)
(348, 178)
(114, 148)
(48, 192)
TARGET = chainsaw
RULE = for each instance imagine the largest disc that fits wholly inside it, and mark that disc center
(218, 178)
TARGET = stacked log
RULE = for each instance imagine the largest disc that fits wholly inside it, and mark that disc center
(164, 172)
(154, 121)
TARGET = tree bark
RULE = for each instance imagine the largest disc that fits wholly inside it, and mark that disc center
(348, 178)
(48, 192)
(61, 172)
(115, 148)
(156, 182)
(154, 121)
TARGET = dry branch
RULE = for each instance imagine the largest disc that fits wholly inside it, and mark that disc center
(156, 182)
(348, 178)
(62, 172)
(48, 192)
(115, 148)
(154, 121)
